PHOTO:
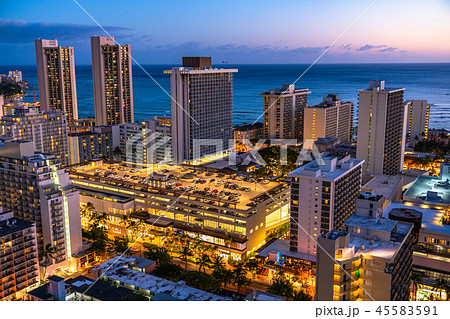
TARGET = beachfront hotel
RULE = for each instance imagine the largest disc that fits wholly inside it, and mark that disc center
(35, 188)
(56, 78)
(284, 111)
(323, 196)
(113, 83)
(47, 130)
(381, 129)
(332, 117)
(201, 110)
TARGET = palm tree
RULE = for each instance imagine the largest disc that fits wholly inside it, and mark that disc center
(47, 253)
(416, 279)
(203, 262)
(185, 253)
(301, 295)
(252, 266)
(240, 277)
(218, 263)
(440, 285)
(281, 286)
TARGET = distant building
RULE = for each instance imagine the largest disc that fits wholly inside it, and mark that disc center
(418, 117)
(372, 260)
(438, 135)
(56, 78)
(332, 117)
(12, 77)
(47, 130)
(323, 195)
(146, 143)
(247, 132)
(325, 144)
(113, 83)
(284, 112)
(381, 129)
(37, 189)
(201, 110)
(100, 143)
(18, 256)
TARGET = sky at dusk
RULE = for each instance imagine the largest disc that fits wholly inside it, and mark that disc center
(235, 31)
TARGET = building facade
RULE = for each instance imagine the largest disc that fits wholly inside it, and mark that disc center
(100, 143)
(56, 78)
(201, 110)
(372, 260)
(323, 196)
(381, 129)
(37, 189)
(147, 143)
(284, 112)
(247, 133)
(113, 84)
(18, 256)
(332, 117)
(418, 118)
(48, 130)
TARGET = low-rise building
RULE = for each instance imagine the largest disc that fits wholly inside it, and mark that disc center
(123, 274)
(234, 215)
(246, 133)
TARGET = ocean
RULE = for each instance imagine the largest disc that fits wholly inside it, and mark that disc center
(429, 81)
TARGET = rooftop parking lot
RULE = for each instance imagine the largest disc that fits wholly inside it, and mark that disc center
(213, 188)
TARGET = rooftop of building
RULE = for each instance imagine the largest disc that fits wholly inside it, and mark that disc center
(359, 244)
(100, 289)
(104, 195)
(380, 224)
(431, 216)
(380, 86)
(385, 185)
(259, 295)
(12, 225)
(330, 168)
(430, 189)
(118, 270)
(285, 90)
(83, 176)
(282, 246)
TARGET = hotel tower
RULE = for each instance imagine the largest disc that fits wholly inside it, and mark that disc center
(56, 78)
(113, 85)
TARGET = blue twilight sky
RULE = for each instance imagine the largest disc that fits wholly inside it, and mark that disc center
(295, 31)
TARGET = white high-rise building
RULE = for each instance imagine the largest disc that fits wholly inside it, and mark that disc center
(323, 196)
(56, 78)
(37, 189)
(332, 117)
(113, 84)
(381, 129)
(201, 109)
